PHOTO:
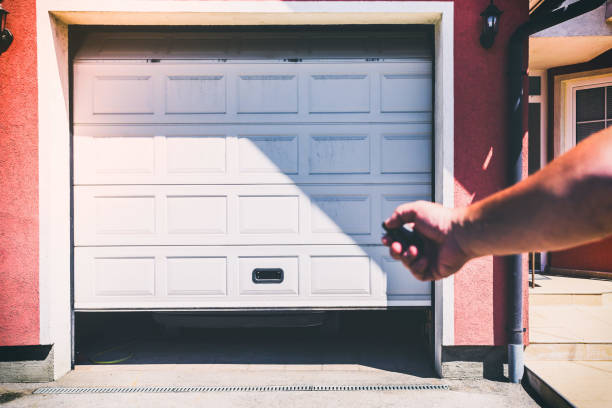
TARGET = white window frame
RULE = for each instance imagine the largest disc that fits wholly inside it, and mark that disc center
(568, 132)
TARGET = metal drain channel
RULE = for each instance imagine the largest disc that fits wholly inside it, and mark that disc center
(269, 388)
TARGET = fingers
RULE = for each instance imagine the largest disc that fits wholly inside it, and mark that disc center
(410, 258)
(420, 270)
(403, 214)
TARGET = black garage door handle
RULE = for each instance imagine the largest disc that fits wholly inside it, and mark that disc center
(268, 275)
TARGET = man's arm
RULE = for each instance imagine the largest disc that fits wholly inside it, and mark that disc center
(567, 203)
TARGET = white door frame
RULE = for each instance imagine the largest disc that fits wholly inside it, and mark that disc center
(53, 19)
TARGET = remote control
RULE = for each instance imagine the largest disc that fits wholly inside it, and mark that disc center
(405, 237)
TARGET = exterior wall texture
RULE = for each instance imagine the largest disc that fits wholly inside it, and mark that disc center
(480, 145)
(19, 308)
(591, 257)
(480, 162)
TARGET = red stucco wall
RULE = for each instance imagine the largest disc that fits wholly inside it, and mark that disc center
(480, 114)
(592, 257)
(19, 309)
(480, 144)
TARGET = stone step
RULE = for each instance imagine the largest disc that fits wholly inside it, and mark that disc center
(564, 299)
(569, 352)
(581, 384)
(570, 324)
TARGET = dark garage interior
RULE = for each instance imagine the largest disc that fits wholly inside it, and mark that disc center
(391, 340)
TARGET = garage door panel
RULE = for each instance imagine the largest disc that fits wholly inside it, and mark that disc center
(195, 94)
(243, 170)
(196, 214)
(138, 95)
(343, 154)
(394, 157)
(335, 275)
(222, 277)
(268, 154)
(268, 93)
(124, 276)
(268, 214)
(405, 92)
(196, 275)
(341, 213)
(263, 92)
(240, 154)
(236, 214)
(339, 93)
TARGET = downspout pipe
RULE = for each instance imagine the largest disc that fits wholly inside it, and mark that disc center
(516, 101)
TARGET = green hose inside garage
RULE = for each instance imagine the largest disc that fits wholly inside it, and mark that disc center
(95, 358)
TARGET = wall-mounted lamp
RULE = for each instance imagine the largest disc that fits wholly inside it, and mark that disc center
(490, 25)
(6, 38)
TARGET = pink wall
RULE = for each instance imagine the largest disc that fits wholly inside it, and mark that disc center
(19, 311)
(592, 257)
(480, 114)
(480, 132)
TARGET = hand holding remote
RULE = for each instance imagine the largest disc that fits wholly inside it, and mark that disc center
(405, 237)
(431, 250)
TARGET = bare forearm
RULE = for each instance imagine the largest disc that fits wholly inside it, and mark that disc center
(567, 203)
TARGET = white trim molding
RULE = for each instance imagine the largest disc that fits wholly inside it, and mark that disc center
(53, 19)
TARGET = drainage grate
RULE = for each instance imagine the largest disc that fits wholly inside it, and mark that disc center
(269, 388)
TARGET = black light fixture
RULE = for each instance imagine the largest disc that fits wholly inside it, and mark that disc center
(6, 38)
(490, 25)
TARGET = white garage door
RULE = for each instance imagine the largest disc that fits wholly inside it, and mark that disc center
(242, 170)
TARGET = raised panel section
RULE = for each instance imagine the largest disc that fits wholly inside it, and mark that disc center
(269, 214)
(123, 155)
(391, 201)
(268, 154)
(129, 276)
(123, 94)
(195, 154)
(340, 275)
(343, 154)
(406, 93)
(400, 281)
(280, 214)
(289, 285)
(348, 214)
(268, 93)
(197, 214)
(124, 215)
(189, 276)
(195, 94)
(194, 277)
(339, 93)
(405, 154)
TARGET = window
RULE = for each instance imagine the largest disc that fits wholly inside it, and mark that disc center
(592, 110)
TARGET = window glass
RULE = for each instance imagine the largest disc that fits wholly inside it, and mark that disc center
(584, 130)
(590, 104)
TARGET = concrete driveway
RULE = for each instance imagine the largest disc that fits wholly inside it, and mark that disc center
(461, 393)
(368, 351)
